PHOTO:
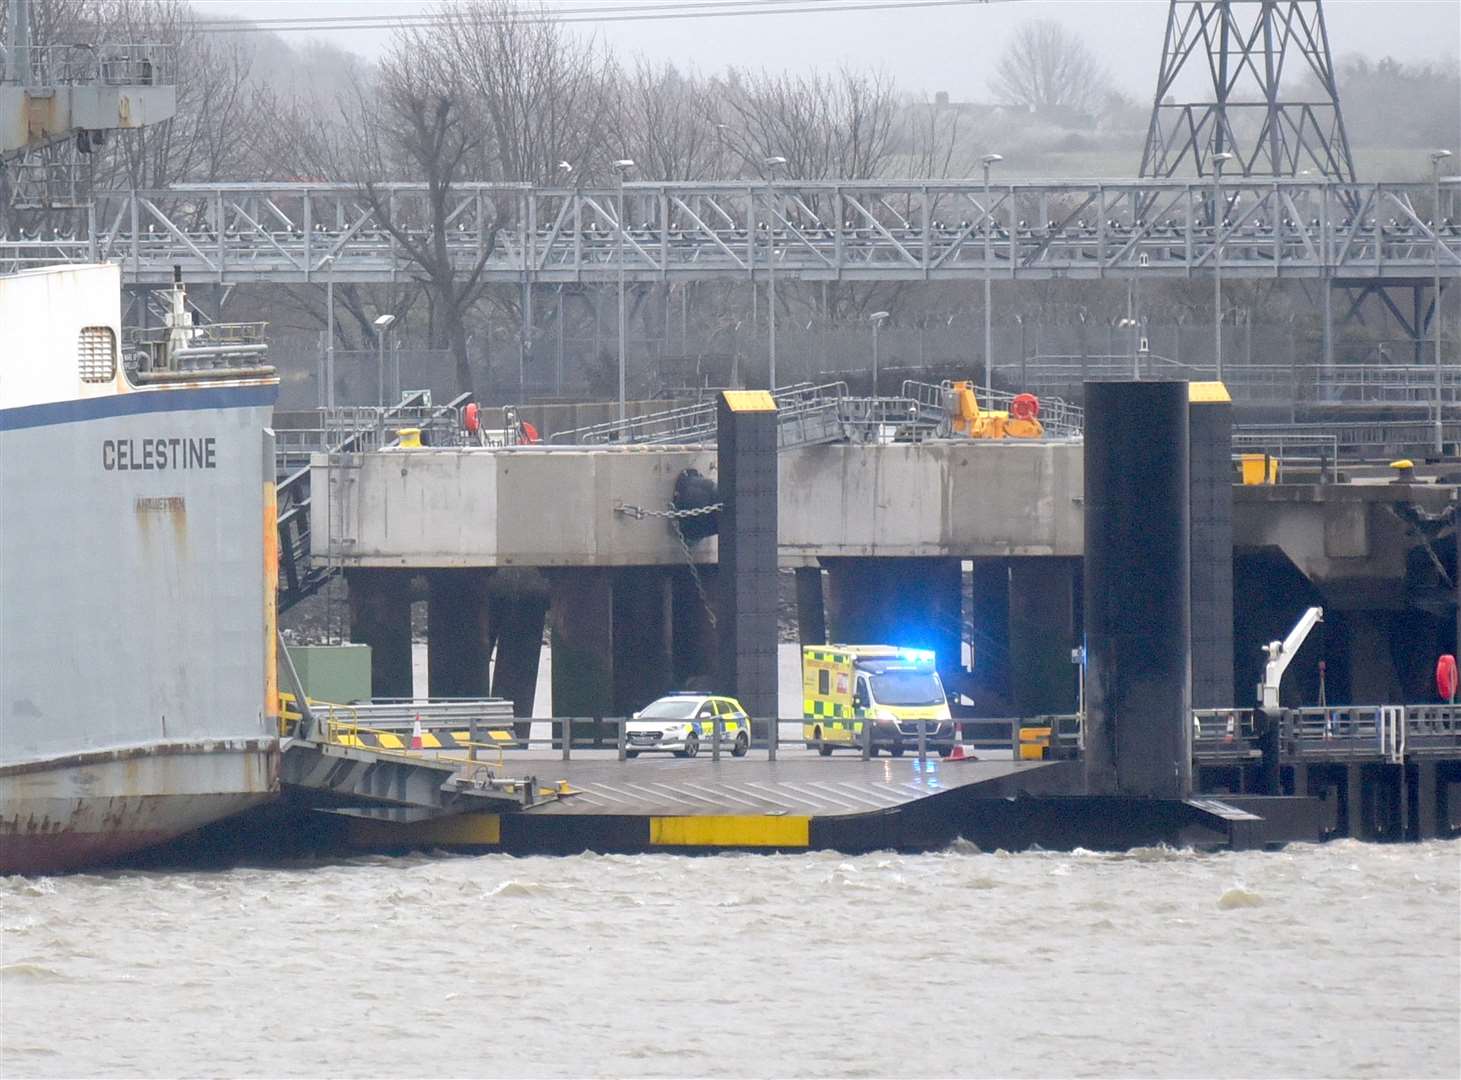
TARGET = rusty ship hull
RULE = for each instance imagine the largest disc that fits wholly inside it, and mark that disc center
(137, 569)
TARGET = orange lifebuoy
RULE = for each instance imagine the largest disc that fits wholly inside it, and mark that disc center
(1025, 407)
(469, 418)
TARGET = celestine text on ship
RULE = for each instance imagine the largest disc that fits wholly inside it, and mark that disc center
(159, 454)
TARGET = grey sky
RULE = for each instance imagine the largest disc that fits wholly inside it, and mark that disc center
(927, 50)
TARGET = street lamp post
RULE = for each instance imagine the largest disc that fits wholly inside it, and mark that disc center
(1437, 156)
(877, 318)
(1218, 161)
(328, 399)
(382, 324)
(772, 164)
(621, 167)
(1130, 323)
(989, 161)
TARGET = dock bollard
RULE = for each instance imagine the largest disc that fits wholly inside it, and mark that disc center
(716, 725)
(565, 737)
(623, 736)
(867, 739)
(922, 743)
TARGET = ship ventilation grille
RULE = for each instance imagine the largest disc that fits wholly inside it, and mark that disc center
(96, 354)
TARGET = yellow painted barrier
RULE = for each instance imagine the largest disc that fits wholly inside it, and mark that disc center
(730, 831)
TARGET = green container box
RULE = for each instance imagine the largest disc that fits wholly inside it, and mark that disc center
(338, 674)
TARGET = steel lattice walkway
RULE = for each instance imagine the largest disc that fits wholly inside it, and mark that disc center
(812, 231)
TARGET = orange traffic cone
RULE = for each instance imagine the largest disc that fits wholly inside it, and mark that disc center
(962, 753)
(417, 743)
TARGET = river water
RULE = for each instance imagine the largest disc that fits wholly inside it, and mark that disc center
(1340, 960)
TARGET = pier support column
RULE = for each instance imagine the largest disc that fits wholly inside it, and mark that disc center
(458, 633)
(1042, 633)
(1210, 472)
(517, 618)
(581, 629)
(1426, 803)
(811, 614)
(989, 643)
(1358, 814)
(1138, 598)
(642, 665)
(380, 616)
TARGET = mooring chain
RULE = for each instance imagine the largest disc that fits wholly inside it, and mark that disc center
(639, 513)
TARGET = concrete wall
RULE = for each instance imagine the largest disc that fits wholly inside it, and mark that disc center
(454, 508)
(965, 499)
(445, 508)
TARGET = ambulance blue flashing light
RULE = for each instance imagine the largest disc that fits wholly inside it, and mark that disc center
(918, 656)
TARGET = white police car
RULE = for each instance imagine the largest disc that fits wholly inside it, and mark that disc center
(683, 723)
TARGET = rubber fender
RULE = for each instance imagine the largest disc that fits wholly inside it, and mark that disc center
(693, 491)
(1025, 407)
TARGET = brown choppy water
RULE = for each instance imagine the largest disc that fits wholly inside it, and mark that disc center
(1341, 960)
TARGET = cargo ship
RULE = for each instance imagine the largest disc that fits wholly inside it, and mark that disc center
(138, 563)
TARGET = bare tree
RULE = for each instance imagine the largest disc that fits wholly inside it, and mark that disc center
(1047, 69)
(839, 125)
(541, 94)
(415, 122)
(661, 122)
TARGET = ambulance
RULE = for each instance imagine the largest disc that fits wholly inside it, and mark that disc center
(894, 689)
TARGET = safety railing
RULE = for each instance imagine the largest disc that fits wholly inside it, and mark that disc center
(467, 742)
(1312, 456)
(149, 64)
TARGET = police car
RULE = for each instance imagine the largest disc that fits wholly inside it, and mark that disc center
(682, 723)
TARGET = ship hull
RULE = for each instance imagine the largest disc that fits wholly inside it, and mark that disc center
(138, 560)
(94, 808)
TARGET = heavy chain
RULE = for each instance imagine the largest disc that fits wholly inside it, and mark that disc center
(639, 513)
(695, 576)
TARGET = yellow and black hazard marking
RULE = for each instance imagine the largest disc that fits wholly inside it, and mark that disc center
(372, 739)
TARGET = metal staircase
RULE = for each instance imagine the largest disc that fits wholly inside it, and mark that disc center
(298, 577)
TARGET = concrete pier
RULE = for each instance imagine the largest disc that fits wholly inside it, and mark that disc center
(459, 633)
(380, 616)
(518, 611)
(581, 629)
(1043, 629)
(811, 610)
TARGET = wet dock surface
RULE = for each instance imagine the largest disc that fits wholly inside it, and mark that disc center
(807, 786)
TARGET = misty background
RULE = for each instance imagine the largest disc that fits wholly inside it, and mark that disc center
(490, 91)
